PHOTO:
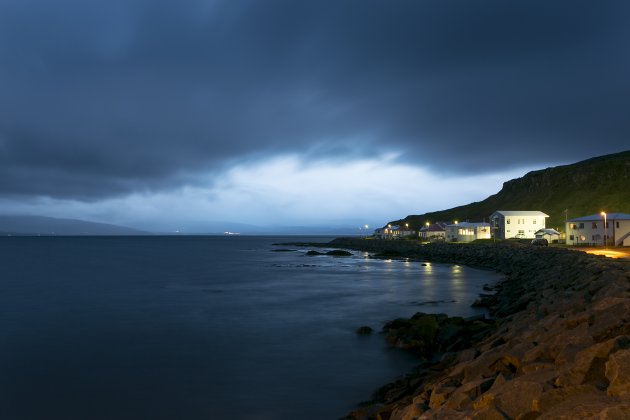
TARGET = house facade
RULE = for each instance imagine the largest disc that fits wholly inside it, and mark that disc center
(467, 232)
(590, 230)
(522, 224)
(433, 232)
(393, 232)
(551, 235)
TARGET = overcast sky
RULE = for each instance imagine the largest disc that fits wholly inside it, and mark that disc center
(166, 115)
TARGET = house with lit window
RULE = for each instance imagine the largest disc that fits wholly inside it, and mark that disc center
(467, 232)
(591, 230)
(521, 224)
(433, 231)
(393, 232)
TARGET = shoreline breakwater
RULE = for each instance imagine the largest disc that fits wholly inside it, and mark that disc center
(559, 347)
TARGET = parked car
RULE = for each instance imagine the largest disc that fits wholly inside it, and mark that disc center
(540, 242)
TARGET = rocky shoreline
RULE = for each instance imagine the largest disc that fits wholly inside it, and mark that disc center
(557, 346)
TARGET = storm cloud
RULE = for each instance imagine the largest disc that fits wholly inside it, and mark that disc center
(101, 100)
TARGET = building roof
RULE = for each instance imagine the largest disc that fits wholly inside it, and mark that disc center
(471, 225)
(548, 231)
(434, 227)
(598, 216)
(521, 213)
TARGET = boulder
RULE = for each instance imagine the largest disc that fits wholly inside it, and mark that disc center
(618, 373)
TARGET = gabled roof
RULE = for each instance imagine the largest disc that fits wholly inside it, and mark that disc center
(471, 225)
(548, 231)
(434, 227)
(521, 213)
(598, 216)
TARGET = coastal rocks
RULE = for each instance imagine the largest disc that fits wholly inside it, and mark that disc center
(312, 253)
(339, 253)
(428, 334)
(365, 330)
(618, 374)
(558, 348)
(334, 253)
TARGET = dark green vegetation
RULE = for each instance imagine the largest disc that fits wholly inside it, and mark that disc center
(428, 334)
(583, 188)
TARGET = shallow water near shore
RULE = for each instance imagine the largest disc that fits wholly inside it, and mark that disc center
(204, 327)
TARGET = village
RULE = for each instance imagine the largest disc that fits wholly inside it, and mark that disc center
(600, 229)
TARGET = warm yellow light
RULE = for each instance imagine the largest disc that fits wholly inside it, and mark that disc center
(456, 222)
(427, 224)
(603, 213)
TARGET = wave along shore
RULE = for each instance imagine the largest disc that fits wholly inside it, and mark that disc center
(560, 348)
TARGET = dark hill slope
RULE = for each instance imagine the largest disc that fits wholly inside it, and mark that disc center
(583, 188)
(39, 225)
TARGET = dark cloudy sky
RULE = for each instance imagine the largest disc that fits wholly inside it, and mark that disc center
(164, 114)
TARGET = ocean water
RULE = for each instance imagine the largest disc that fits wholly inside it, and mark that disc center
(204, 327)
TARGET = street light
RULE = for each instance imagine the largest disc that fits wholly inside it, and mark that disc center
(605, 230)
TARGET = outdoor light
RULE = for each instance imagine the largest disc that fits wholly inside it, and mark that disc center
(603, 213)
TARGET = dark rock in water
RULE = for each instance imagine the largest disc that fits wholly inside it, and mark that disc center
(339, 253)
(283, 250)
(311, 252)
(485, 301)
(424, 264)
(365, 330)
(428, 334)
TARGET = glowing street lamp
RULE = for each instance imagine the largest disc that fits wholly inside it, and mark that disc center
(605, 230)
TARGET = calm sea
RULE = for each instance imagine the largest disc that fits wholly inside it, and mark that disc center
(203, 327)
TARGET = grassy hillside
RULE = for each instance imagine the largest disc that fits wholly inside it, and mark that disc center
(583, 188)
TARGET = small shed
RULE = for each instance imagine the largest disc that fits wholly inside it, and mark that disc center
(551, 235)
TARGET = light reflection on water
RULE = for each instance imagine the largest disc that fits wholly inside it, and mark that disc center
(202, 327)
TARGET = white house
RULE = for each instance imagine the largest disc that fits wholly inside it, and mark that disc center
(590, 230)
(467, 232)
(508, 224)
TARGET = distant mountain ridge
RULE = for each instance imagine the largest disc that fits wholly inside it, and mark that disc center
(40, 225)
(50, 226)
(582, 188)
